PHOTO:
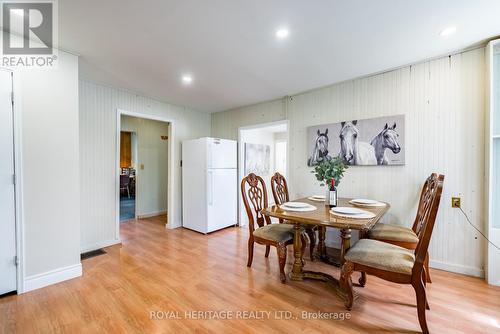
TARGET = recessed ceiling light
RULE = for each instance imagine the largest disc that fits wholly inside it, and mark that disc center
(282, 33)
(448, 31)
(187, 79)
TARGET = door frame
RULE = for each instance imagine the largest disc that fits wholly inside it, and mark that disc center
(241, 162)
(170, 176)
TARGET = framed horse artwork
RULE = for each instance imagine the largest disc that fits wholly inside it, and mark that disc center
(367, 142)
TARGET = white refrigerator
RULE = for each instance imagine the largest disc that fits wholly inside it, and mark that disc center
(209, 184)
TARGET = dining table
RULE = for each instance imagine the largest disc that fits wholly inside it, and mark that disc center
(324, 218)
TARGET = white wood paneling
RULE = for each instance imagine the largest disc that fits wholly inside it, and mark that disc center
(98, 105)
(444, 104)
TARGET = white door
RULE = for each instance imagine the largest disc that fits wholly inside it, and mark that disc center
(222, 198)
(7, 207)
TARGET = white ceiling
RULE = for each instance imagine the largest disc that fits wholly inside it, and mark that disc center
(229, 46)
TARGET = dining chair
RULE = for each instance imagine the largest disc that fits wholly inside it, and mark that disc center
(125, 183)
(279, 188)
(394, 263)
(404, 236)
(254, 194)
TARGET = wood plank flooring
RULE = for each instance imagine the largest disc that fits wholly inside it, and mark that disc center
(160, 270)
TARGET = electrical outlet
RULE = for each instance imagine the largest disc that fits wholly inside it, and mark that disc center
(455, 202)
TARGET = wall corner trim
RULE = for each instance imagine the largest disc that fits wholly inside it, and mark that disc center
(52, 277)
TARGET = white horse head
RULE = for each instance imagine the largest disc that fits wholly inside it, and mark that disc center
(320, 151)
(348, 141)
(386, 139)
(352, 150)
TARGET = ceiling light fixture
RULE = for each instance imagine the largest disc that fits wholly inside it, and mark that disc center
(448, 31)
(282, 33)
(187, 79)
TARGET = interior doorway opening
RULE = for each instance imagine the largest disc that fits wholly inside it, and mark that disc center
(263, 150)
(144, 168)
(128, 171)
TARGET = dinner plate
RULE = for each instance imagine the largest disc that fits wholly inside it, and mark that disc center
(316, 199)
(363, 215)
(296, 205)
(321, 197)
(364, 201)
(347, 210)
(377, 204)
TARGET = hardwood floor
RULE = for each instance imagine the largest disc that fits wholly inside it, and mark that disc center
(180, 271)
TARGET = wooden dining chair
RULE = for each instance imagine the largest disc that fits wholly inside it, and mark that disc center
(125, 184)
(404, 236)
(254, 194)
(279, 187)
(393, 263)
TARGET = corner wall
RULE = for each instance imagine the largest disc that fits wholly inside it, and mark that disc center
(48, 108)
(98, 105)
(444, 104)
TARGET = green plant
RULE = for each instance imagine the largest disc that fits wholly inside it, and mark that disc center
(330, 169)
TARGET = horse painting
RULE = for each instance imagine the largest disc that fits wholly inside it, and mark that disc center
(386, 139)
(320, 151)
(353, 151)
(362, 142)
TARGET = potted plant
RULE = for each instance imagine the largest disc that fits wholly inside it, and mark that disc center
(330, 169)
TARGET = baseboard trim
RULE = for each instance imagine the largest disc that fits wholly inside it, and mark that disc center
(152, 214)
(457, 268)
(52, 277)
(103, 244)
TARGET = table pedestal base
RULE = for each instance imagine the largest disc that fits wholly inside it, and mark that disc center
(331, 281)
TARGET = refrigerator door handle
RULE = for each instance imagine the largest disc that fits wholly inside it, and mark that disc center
(210, 187)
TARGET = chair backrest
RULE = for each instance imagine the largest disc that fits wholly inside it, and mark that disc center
(279, 188)
(124, 181)
(424, 202)
(254, 194)
(428, 213)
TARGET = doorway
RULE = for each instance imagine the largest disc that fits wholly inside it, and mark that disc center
(144, 167)
(270, 141)
(128, 171)
(8, 253)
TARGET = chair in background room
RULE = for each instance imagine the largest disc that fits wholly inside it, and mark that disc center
(125, 184)
(254, 194)
(397, 264)
(279, 187)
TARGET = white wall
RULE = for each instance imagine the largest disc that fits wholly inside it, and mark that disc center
(98, 106)
(444, 104)
(152, 153)
(48, 107)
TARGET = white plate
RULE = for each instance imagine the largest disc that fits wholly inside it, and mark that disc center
(378, 204)
(316, 199)
(322, 197)
(364, 215)
(364, 201)
(296, 205)
(347, 210)
(301, 209)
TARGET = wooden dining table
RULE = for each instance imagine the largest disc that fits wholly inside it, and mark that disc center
(322, 218)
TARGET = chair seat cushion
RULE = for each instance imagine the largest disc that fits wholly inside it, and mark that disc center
(275, 232)
(393, 233)
(381, 255)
